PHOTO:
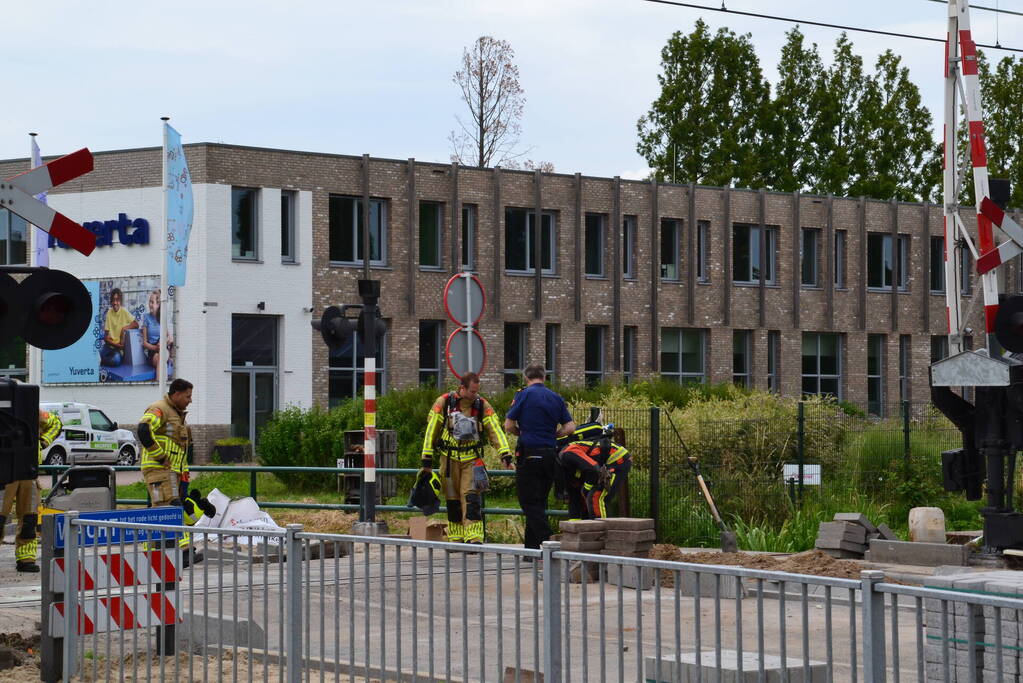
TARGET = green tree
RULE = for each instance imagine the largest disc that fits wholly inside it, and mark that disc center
(707, 124)
(799, 104)
(896, 135)
(838, 155)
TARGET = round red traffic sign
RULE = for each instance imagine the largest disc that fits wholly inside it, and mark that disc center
(464, 299)
(465, 352)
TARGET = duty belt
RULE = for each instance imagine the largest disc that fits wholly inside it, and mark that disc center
(540, 452)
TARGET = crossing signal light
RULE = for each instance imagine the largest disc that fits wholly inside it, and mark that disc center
(19, 431)
(50, 309)
(335, 328)
(1009, 324)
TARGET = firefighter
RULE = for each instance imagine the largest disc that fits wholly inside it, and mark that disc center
(593, 470)
(24, 497)
(456, 427)
(165, 438)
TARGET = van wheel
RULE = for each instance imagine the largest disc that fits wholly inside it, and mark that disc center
(57, 456)
(126, 456)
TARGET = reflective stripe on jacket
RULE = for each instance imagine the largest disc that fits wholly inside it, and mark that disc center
(437, 431)
(171, 435)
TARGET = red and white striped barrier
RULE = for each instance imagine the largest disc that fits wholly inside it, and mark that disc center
(114, 613)
(116, 569)
(1006, 250)
(18, 195)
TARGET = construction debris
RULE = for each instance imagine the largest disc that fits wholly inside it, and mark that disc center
(848, 536)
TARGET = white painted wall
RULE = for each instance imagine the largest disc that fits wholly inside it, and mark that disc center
(203, 331)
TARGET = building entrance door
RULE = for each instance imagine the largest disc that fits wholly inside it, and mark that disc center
(253, 374)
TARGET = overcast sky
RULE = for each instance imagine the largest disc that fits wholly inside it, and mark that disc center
(375, 76)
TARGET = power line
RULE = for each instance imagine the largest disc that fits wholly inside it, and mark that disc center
(996, 10)
(855, 29)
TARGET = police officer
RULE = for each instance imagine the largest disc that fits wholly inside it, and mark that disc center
(23, 496)
(538, 416)
(165, 438)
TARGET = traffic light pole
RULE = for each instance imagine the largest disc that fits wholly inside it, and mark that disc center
(369, 291)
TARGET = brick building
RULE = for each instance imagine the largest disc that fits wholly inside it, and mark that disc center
(796, 293)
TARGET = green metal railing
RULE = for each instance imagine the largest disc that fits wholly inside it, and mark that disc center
(253, 471)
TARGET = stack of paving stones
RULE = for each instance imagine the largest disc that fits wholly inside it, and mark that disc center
(849, 535)
(980, 630)
(584, 536)
(629, 537)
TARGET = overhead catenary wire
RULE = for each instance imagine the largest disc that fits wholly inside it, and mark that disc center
(997, 9)
(808, 22)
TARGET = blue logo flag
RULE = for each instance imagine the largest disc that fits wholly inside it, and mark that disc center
(178, 185)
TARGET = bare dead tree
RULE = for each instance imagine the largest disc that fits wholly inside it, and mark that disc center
(489, 81)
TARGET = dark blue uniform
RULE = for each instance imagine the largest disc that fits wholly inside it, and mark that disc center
(538, 412)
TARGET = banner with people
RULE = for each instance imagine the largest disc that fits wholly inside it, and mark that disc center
(123, 342)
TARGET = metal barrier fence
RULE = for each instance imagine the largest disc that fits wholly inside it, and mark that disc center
(298, 606)
(840, 456)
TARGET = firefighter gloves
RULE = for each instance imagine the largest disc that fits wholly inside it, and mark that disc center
(480, 480)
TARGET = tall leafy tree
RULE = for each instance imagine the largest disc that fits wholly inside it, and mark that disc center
(838, 156)
(799, 104)
(897, 136)
(707, 125)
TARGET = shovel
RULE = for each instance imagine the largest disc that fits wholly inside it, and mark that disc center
(729, 544)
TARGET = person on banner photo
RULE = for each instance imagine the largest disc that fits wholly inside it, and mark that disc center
(118, 321)
(151, 332)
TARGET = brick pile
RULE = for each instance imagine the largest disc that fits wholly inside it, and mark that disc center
(978, 629)
(849, 535)
(629, 536)
(583, 536)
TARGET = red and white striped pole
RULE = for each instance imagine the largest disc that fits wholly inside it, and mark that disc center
(369, 440)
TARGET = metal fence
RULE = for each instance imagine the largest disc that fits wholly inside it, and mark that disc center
(859, 458)
(298, 606)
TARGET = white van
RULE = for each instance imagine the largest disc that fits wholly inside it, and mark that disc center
(89, 437)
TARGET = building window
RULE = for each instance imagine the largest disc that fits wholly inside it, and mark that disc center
(939, 347)
(430, 216)
(469, 236)
(703, 251)
(520, 237)
(629, 354)
(937, 264)
(594, 354)
(13, 239)
(596, 228)
(966, 265)
(244, 223)
(670, 232)
(345, 230)
(746, 267)
(550, 352)
(682, 355)
(629, 247)
(289, 207)
(839, 265)
(875, 374)
(809, 250)
(773, 339)
(881, 261)
(741, 364)
(13, 359)
(904, 346)
(431, 350)
(516, 336)
(822, 368)
(347, 370)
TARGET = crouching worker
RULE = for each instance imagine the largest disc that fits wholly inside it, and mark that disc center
(456, 427)
(593, 468)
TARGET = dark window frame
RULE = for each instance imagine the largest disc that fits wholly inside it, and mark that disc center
(683, 375)
(437, 239)
(378, 229)
(548, 233)
(745, 242)
(675, 249)
(242, 234)
(289, 229)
